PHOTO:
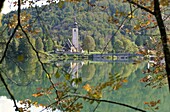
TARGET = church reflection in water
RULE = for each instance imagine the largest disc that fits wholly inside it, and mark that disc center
(74, 70)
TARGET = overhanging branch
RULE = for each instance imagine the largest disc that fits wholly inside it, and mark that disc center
(9, 92)
(105, 101)
(141, 7)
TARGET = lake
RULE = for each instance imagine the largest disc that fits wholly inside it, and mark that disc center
(25, 79)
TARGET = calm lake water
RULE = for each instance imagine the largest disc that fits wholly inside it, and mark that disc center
(26, 78)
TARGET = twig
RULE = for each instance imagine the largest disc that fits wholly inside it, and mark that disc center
(96, 106)
(140, 6)
(48, 106)
(7, 44)
(13, 81)
(105, 101)
(71, 104)
(9, 92)
(4, 55)
(37, 54)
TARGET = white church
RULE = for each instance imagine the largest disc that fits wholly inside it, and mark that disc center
(73, 46)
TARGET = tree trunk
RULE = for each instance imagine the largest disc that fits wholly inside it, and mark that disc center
(1, 4)
(164, 38)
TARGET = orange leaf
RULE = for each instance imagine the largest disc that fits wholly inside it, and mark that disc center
(87, 87)
(146, 102)
(37, 94)
(124, 80)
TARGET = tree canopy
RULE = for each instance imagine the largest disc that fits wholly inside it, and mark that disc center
(88, 43)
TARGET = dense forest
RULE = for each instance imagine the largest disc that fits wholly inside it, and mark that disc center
(51, 26)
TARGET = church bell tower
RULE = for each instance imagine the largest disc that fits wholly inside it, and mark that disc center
(75, 35)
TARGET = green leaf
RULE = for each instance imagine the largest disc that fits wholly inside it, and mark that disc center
(67, 76)
(60, 4)
(73, 80)
(57, 75)
(80, 80)
(77, 80)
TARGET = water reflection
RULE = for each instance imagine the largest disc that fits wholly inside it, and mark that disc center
(74, 69)
(133, 92)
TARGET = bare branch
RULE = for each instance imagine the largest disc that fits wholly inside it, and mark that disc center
(105, 101)
(15, 82)
(98, 103)
(117, 30)
(7, 44)
(9, 92)
(164, 37)
(4, 55)
(141, 7)
(37, 54)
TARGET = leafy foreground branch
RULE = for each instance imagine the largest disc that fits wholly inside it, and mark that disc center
(18, 25)
(164, 38)
(69, 99)
(104, 101)
(90, 99)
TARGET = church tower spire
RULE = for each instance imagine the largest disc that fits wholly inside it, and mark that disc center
(75, 22)
(75, 34)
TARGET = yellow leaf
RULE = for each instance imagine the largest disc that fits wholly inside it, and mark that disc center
(124, 80)
(67, 76)
(130, 15)
(137, 27)
(87, 87)
(97, 95)
(164, 2)
(148, 22)
(117, 13)
(48, 75)
(60, 4)
(127, 30)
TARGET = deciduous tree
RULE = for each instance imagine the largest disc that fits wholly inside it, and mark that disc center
(88, 44)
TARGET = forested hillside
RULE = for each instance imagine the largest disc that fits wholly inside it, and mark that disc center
(51, 25)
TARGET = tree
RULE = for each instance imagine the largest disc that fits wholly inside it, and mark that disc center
(1, 4)
(24, 49)
(155, 9)
(88, 44)
(13, 51)
(118, 46)
(89, 70)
